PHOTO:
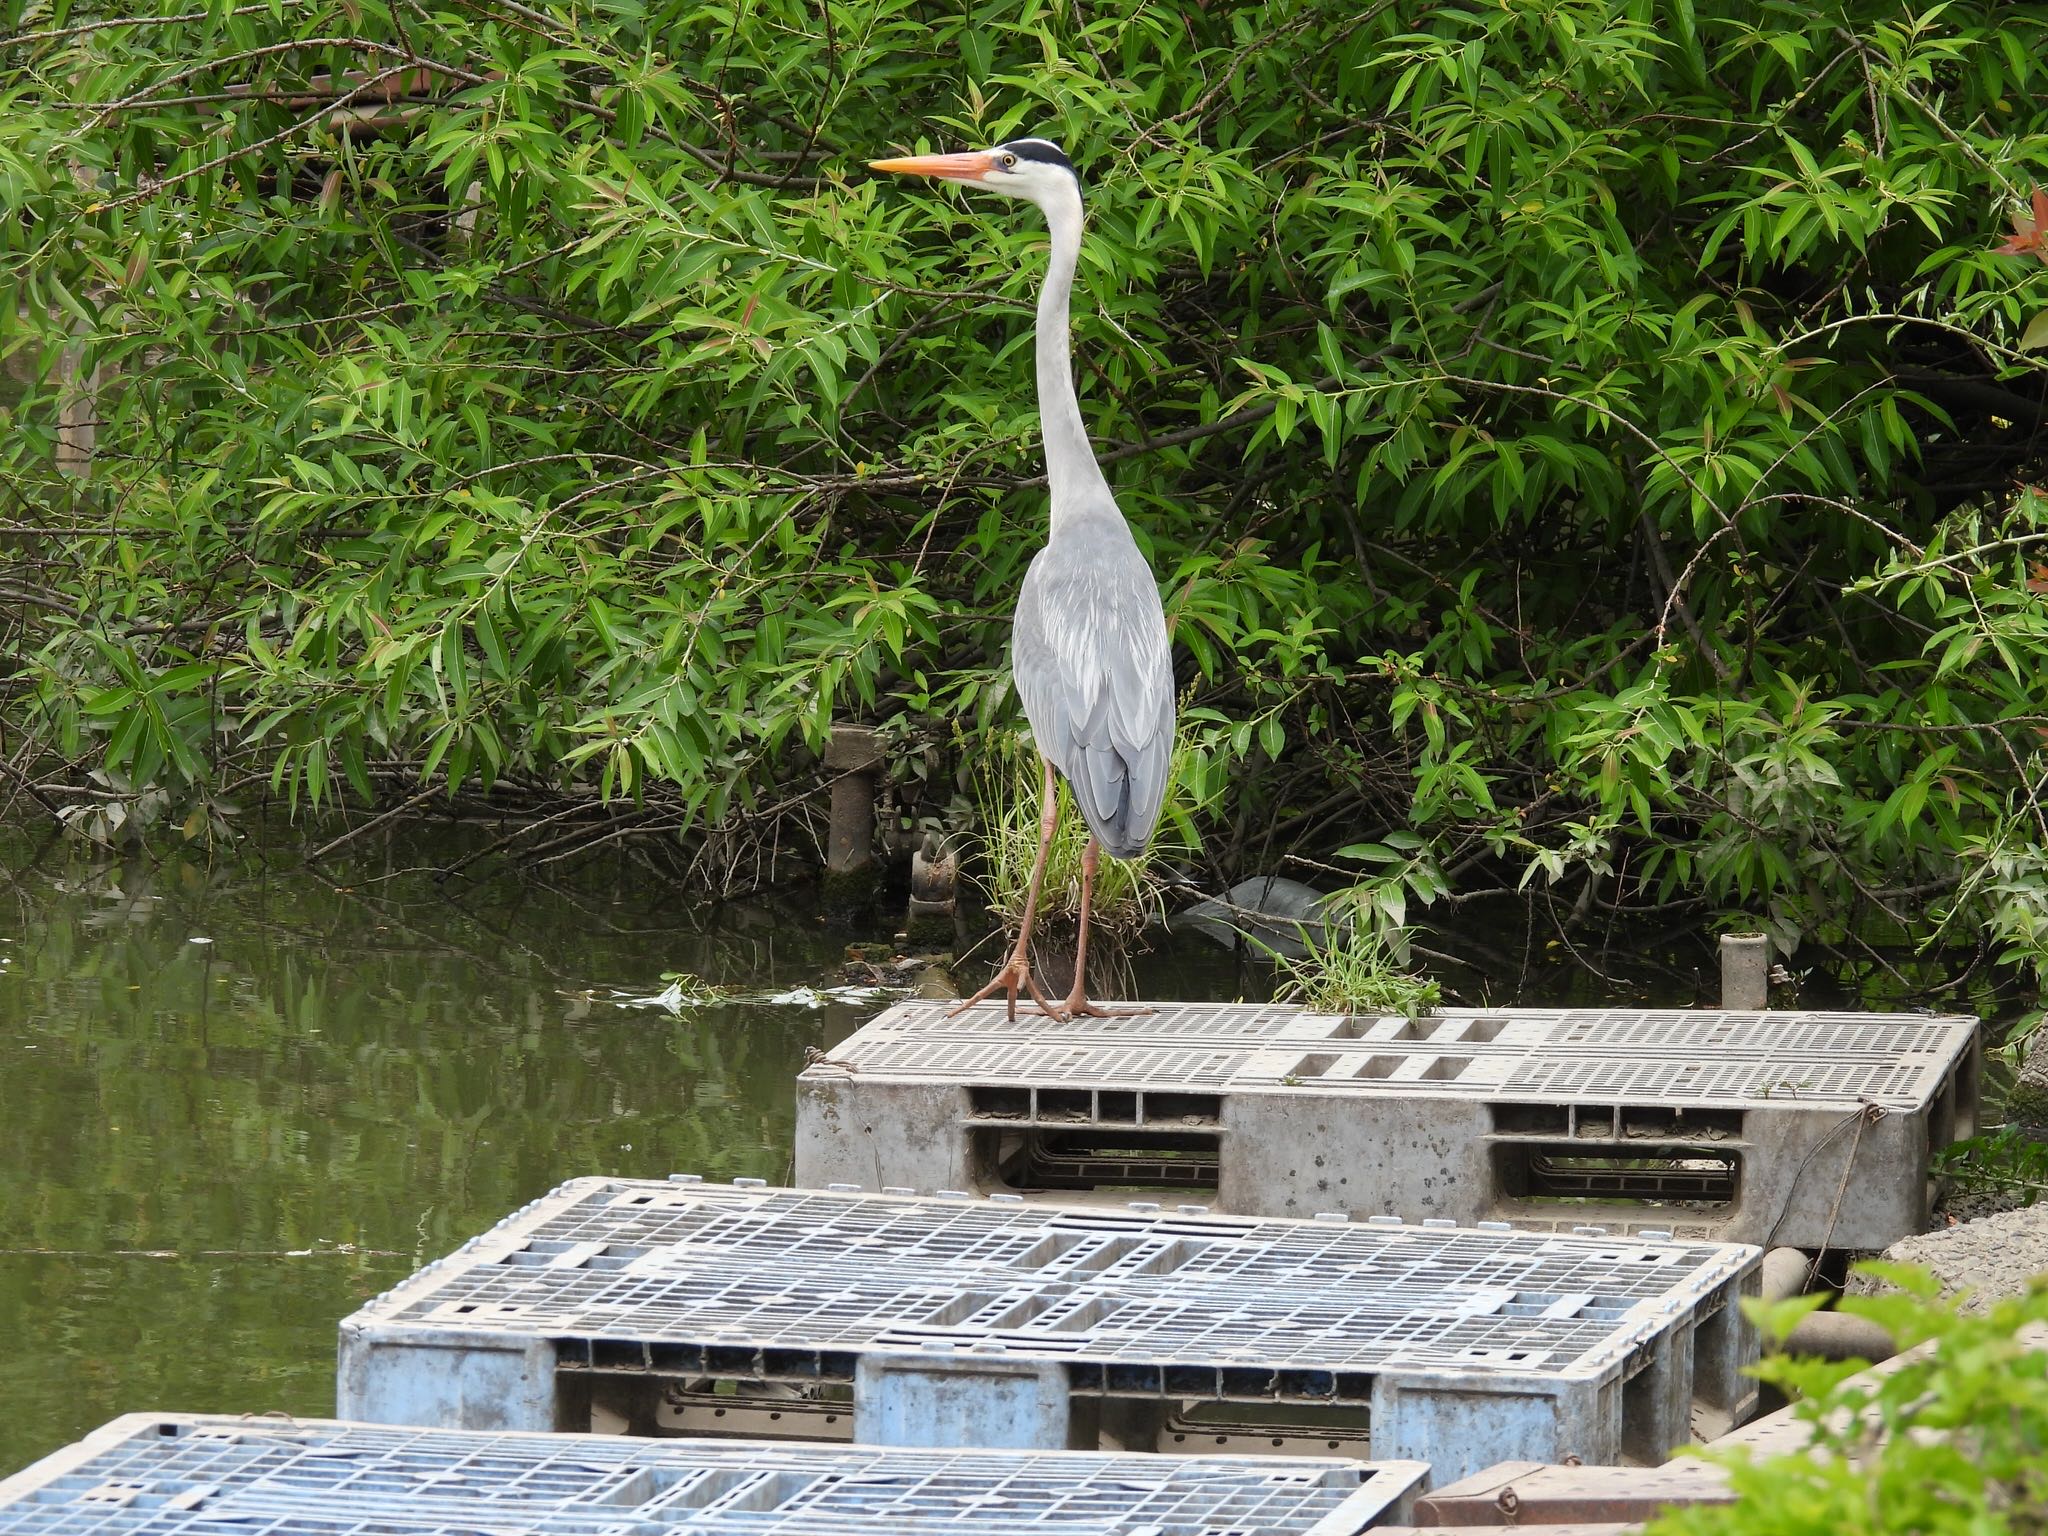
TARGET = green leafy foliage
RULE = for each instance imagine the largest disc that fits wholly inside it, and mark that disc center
(2006, 1161)
(1954, 1440)
(1593, 439)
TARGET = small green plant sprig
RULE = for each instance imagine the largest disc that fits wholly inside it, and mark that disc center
(1356, 968)
(695, 988)
(1952, 1443)
(2004, 1161)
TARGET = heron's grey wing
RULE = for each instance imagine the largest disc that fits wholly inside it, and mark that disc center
(1095, 674)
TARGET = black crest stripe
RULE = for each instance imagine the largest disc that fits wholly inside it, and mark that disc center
(1039, 149)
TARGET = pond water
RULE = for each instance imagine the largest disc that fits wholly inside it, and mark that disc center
(241, 1097)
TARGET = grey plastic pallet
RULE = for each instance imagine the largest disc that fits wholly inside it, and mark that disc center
(1812, 1130)
(899, 1320)
(194, 1475)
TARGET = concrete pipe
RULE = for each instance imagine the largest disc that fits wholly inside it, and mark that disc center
(1745, 972)
(1839, 1336)
(1784, 1274)
(1826, 1335)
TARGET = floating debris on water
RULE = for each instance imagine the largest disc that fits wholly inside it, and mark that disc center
(693, 992)
(818, 997)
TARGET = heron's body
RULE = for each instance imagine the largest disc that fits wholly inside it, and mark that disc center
(1092, 669)
(1089, 656)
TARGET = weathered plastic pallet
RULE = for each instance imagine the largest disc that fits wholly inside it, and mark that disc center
(195, 1475)
(899, 1320)
(1811, 1130)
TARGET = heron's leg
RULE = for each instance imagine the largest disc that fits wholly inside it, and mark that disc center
(1077, 1002)
(1016, 971)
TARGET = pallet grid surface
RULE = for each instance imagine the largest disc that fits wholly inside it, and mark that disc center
(182, 1475)
(1738, 1127)
(1689, 1056)
(1557, 1339)
(792, 1269)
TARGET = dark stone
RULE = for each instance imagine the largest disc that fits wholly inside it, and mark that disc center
(848, 895)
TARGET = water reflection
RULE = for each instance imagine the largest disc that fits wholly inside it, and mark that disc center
(242, 1099)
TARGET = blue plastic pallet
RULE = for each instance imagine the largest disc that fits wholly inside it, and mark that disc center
(904, 1320)
(187, 1475)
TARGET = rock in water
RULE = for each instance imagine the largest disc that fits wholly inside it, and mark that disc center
(1268, 909)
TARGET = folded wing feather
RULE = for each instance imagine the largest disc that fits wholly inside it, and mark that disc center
(1093, 670)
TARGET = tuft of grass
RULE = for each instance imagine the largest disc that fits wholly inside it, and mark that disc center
(1355, 969)
(1128, 892)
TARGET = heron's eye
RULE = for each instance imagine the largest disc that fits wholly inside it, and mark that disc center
(1009, 161)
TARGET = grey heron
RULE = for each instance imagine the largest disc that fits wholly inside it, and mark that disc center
(1089, 653)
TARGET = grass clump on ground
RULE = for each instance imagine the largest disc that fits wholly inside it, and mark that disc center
(1128, 892)
(1355, 968)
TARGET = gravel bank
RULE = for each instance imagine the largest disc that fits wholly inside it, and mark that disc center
(1991, 1257)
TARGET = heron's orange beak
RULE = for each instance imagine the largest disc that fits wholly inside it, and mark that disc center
(972, 166)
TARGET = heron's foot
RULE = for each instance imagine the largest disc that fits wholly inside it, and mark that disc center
(1077, 1006)
(1015, 976)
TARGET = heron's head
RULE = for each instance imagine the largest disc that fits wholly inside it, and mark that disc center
(1033, 169)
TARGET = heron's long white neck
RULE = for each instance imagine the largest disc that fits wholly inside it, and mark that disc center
(1070, 467)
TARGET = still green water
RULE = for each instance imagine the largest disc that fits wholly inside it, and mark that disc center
(238, 1101)
(240, 1098)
